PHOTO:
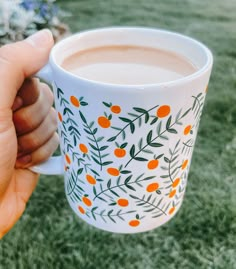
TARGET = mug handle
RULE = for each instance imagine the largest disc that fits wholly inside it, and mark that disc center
(54, 165)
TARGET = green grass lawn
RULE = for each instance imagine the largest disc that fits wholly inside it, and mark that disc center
(203, 233)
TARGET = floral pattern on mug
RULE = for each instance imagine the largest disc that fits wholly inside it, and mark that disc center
(103, 185)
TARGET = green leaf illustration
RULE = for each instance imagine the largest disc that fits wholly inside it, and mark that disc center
(132, 151)
(149, 137)
(154, 121)
(82, 117)
(172, 131)
(125, 119)
(155, 145)
(140, 110)
(107, 105)
(140, 159)
(79, 171)
(132, 127)
(67, 110)
(168, 123)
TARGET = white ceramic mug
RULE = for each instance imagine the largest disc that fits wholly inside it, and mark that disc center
(126, 149)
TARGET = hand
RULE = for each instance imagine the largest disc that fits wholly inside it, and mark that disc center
(27, 123)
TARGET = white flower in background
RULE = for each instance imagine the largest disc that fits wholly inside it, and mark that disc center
(21, 18)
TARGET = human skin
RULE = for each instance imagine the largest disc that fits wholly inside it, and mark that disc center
(27, 123)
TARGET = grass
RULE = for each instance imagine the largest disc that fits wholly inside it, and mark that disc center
(203, 233)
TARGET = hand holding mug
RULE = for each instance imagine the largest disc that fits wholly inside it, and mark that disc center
(27, 123)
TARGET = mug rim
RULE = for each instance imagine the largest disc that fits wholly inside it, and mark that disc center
(201, 71)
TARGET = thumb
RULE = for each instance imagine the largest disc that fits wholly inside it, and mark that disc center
(20, 60)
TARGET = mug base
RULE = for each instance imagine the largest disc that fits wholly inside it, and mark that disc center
(124, 227)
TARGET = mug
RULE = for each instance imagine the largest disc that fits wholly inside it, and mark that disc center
(126, 149)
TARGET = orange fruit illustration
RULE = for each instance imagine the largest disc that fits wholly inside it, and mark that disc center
(187, 129)
(134, 223)
(172, 193)
(68, 160)
(122, 202)
(83, 148)
(81, 210)
(163, 111)
(176, 182)
(59, 116)
(74, 101)
(104, 122)
(171, 211)
(152, 164)
(184, 165)
(152, 187)
(206, 89)
(91, 180)
(115, 109)
(119, 152)
(87, 201)
(113, 171)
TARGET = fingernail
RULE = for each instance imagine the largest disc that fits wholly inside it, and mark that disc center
(17, 103)
(24, 160)
(41, 38)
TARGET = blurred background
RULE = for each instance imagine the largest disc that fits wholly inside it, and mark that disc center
(203, 233)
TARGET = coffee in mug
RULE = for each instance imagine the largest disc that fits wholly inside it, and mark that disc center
(128, 65)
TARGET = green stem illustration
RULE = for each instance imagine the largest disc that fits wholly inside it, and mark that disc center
(97, 157)
(126, 184)
(110, 214)
(142, 202)
(131, 122)
(171, 160)
(156, 137)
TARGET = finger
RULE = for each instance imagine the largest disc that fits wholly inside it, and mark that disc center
(29, 91)
(40, 155)
(21, 60)
(30, 117)
(38, 137)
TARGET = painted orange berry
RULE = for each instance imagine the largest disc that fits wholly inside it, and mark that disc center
(152, 187)
(91, 180)
(187, 129)
(83, 148)
(113, 171)
(115, 109)
(68, 160)
(122, 202)
(74, 101)
(176, 182)
(153, 164)
(59, 116)
(134, 223)
(184, 165)
(104, 122)
(119, 152)
(163, 111)
(172, 193)
(87, 201)
(81, 210)
(206, 90)
(171, 211)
